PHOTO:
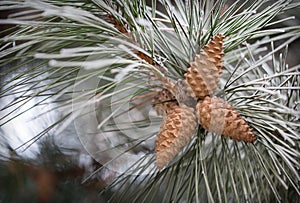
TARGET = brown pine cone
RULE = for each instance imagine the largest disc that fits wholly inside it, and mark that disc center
(214, 51)
(205, 71)
(176, 131)
(202, 76)
(217, 116)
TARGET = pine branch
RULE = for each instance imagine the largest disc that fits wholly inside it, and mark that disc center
(88, 60)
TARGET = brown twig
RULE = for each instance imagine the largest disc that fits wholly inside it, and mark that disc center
(164, 80)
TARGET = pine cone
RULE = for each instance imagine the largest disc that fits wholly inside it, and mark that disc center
(214, 51)
(176, 131)
(163, 101)
(217, 116)
(202, 76)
